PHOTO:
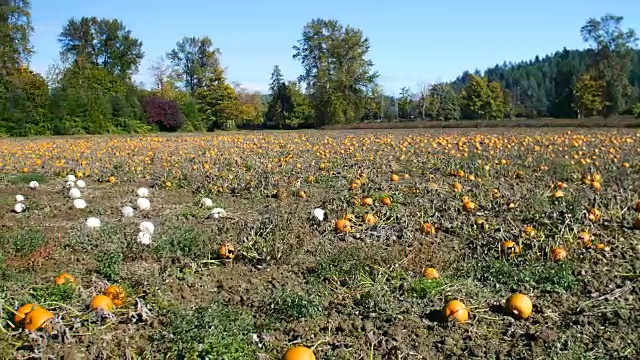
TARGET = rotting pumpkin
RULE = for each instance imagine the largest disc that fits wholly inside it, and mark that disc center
(116, 294)
(22, 312)
(369, 218)
(427, 229)
(37, 318)
(227, 251)
(65, 278)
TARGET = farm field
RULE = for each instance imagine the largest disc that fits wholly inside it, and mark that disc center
(548, 213)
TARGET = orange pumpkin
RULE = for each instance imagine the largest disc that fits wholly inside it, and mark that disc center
(37, 318)
(455, 310)
(558, 253)
(367, 201)
(386, 201)
(349, 217)
(343, 226)
(299, 353)
(116, 294)
(430, 273)
(468, 206)
(395, 178)
(519, 306)
(101, 302)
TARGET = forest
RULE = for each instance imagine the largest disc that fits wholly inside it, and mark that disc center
(90, 89)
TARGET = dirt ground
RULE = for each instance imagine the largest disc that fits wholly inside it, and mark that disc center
(296, 280)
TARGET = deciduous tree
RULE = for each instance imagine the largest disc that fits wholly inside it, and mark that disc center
(195, 61)
(612, 59)
(106, 43)
(336, 70)
(589, 95)
(15, 34)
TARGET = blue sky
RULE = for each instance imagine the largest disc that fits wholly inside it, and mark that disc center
(412, 41)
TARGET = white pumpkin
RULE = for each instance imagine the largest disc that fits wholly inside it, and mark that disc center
(143, 204)
(206, 203)
(127, 211)
(142, 192)
(318, 214)
(93, 223)
(144, 238)
(218, 213)
(79, 204)
(147, 226)
(74, 193)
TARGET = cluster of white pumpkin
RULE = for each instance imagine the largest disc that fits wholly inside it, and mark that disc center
(142, 204)
(74, 187)
(146, 227)
(216, 213)
(20, 205)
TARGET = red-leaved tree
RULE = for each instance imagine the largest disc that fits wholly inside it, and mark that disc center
(163, 113)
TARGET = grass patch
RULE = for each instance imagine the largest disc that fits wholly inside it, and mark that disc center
(53, 293)
(425, 288)
(109, 263)
(211, 332)
(21, 242)
(291, 305)
(183, 242)
(25, 179)
(542, 276)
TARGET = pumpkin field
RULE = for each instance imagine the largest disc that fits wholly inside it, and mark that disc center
(371, 244)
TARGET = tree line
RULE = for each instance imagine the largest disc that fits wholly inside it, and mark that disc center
(90, 90)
